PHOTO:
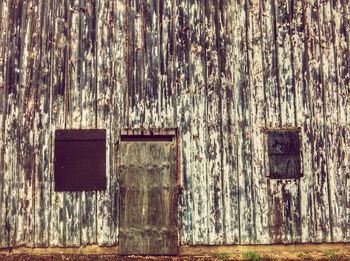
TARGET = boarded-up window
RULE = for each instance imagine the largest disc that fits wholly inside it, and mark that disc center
(80, 160)
(284, 154)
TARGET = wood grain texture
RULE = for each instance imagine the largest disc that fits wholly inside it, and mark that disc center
(184, 110)
(223, 73)
(57, 117)
(229, 122)
(3, 98)
(244, 138)
(198, 121)
(258, 118)
(42, 125)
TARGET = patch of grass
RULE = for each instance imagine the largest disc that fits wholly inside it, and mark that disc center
(301, 255)
(221, 256)
(331, 255)
(252, 256)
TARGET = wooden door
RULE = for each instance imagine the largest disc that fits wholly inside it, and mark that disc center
(148, 197)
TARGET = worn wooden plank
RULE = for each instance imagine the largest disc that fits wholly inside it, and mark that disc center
(244, 149)
(4, 27)
(214, 121)
(346, 18)
(29, 67)
(318, 148)
(303, 117)
(330, 101)
(183, 120)
(258, 117)
(283, 17)
(73, 112)
(198, 121)
(42, 129)
(152, 64)
(119, 83)
(58, 86)
(136, 44)
(105, 111)
(4, 23)
(87, 81)
(270, 65)
(229, 121)
(166, 42)
(120, 62)
(12, 125)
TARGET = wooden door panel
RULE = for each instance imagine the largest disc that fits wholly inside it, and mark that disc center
(148, 198)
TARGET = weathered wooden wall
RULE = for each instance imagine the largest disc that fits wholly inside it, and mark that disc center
(219, 71)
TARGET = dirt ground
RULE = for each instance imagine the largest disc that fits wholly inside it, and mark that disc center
(204, 253)
(99, 257)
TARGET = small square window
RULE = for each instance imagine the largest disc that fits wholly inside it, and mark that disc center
(284, 154)
(80, 160)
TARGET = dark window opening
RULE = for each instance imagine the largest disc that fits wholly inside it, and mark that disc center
(80, 160)
(284, 154)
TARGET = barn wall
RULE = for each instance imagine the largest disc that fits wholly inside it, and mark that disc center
(219, 71)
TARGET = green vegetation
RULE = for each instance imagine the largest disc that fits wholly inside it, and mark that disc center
(221, 256)
(331, 255)
(252, 256)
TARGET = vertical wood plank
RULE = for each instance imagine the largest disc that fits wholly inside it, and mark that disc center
(283, 15)
(167, 94)
(244, 153)
(229, 121)
(330, 102)
(29, 76)
(42, 128)
(104, 109)
(104, 95)
(12, 126)
(303, 118)
(58, 87)
(111, 83)
(72, 201)
(257, 111)
(272, 102)
(183, 119)
(136, 45)
(198, 122)
(322, 225)
(119, 84)
(86, 67)
(4, 27)
(151, 64)
(120, 64)
(20, 87)
(346, 10)
(214, 121)
(270, 65)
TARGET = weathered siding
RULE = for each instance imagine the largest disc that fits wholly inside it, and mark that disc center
(220, 71)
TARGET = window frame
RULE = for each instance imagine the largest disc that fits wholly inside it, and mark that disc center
(298, 156)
